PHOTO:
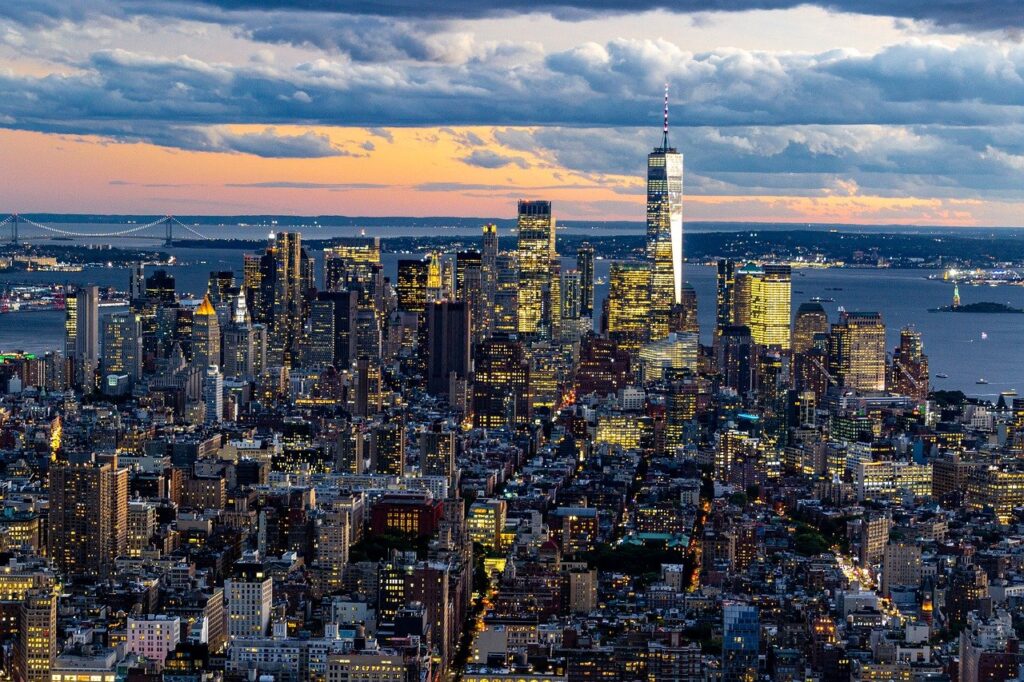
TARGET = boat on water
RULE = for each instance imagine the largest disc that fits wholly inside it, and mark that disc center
(981, 381)
(822, 299)
(941, 375)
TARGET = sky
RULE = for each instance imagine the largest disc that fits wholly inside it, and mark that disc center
(874, 112)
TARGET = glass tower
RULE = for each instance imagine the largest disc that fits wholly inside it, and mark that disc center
(664, 229)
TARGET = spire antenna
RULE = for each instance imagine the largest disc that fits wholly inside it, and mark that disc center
(664, 137)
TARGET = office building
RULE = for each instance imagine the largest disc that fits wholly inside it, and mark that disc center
(321, 337)
(449, 343)
(664, 230)
(501, 388)
(469, 288)
(857, 351)
(160, 287)
(122, 346)
(770, 317)
(536, 249)
(629, 315)
(291, 280)
(87, 336)
(412, 285)
(205, 335)
(811, 319)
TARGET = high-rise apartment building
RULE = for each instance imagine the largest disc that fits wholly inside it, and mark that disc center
(248, 596)
(489, 273)
(88, 514)
(585, 267)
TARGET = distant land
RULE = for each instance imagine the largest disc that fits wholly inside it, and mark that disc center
(980, 307)
(831, 247)
(262, 221)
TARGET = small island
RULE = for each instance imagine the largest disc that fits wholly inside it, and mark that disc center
(982, 307)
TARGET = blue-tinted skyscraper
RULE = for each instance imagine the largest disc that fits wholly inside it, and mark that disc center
(741, 639)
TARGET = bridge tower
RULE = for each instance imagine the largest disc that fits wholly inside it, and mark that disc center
(14, 230)
(169, 231)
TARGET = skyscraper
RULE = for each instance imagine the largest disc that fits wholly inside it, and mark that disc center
(489, 272)
(734, 358)
(88, 514)
(344, 334)
(205, 335)
(770, 306)
(501, 390)
(469, 288)
(536, 250)
(70, 324)
(629, 319)
(585, 266)
(448, 343)
(122, 346)
(291, 275)
(136, 282)
(351, 264)
(320, 340)
(87, 336)
(412, 285)
(811, 319)
(909, 370)
(160, 286)
(506, 296)
(857, 351)
(213, 395)
(664, 229)
(725, 280)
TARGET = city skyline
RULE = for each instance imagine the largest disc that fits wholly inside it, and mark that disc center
(349, 109)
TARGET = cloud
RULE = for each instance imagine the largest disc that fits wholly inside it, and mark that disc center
(970, 15)
(485, 158)
(293, 184)
(269, 143)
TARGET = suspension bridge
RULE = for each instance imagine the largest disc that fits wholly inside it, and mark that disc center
(19, 229)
